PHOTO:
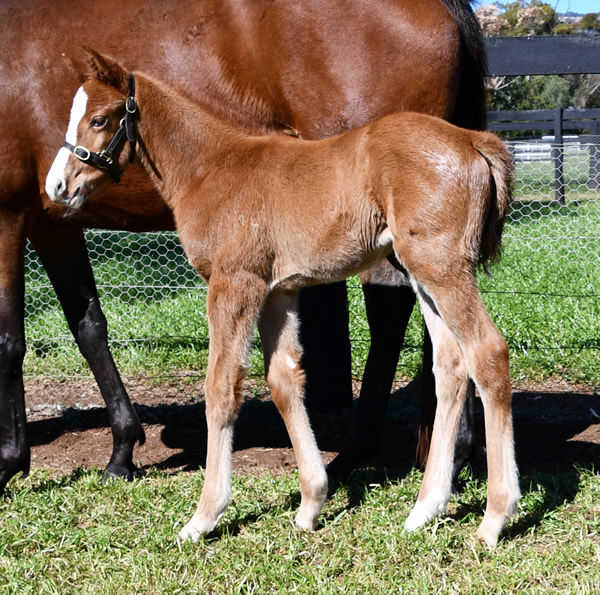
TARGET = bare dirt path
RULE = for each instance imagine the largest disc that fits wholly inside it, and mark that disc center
(556, 426)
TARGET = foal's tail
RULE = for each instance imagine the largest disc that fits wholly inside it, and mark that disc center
(499, 173)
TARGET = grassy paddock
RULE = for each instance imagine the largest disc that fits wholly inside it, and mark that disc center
(74, 534)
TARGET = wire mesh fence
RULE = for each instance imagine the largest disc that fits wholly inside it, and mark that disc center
(543, 296)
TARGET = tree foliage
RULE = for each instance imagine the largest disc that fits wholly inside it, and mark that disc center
(589, 22)
(537, 92)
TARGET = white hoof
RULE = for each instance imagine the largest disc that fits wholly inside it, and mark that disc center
(195, 530)
(311, 505)
(306, 522)
(426, 510)
(490, 529)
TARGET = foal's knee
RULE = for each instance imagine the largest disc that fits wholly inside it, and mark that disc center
(223, 397)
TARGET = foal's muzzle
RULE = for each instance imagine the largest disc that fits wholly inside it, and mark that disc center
(60, 194)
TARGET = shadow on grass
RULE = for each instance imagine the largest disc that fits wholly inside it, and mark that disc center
(554, 434)
(543, 493)
(51, 484)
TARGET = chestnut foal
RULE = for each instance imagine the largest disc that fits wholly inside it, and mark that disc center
(261, 217)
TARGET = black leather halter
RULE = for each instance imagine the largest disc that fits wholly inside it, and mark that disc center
(103, 160)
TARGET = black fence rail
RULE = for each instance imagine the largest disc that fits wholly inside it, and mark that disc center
(557, 121)
(543, 54)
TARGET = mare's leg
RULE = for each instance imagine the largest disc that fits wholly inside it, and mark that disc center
(389, 301)
(428, 403)
(485, 353)
(14, 451)
(278, 327)
(233, 305)
(326, 355)
(64, 255)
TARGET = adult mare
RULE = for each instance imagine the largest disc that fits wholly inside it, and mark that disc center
(313, 67)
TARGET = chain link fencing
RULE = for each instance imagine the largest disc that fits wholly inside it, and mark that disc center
(543, 296)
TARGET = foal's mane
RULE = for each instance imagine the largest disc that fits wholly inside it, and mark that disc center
(107, 71)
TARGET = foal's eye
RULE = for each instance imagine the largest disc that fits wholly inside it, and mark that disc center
(98, 121)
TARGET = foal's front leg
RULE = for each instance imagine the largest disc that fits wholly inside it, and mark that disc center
(232, 306)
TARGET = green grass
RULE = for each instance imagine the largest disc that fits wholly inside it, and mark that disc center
(544, 296)
(535, 179)
(74, 534)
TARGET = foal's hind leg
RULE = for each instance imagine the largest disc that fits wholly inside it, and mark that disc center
(278, 327)
(486, 356)
(232, 306)
(451, 381)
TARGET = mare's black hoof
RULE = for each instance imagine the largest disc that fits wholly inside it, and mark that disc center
(8, 469)
(141, 436)
(121, 473)
(349, 458)
(340, 469)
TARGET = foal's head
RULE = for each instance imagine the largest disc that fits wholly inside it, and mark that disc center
(96, 150)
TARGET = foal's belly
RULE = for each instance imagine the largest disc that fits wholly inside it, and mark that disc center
(334, 263)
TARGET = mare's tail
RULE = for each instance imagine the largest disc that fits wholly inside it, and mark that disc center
(498, 169)
(470, 109)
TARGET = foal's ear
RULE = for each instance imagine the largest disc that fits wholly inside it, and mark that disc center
(106, 70)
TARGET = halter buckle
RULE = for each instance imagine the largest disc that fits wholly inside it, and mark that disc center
(81, 153)
(106, 158)
(130, 105)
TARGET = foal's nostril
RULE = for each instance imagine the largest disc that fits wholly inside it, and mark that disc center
(60, 188)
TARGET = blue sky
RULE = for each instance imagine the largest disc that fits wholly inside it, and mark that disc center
(580, 6)
(562, 6)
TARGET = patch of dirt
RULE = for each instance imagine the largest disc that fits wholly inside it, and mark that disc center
(556, 426)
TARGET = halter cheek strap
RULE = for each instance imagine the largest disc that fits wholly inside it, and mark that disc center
(103, 160)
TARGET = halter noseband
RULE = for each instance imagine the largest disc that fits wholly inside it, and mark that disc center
(103, 160)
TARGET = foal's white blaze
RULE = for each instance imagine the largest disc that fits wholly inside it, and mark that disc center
(55, 180)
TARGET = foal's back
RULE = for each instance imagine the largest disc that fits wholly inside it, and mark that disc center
(310, 211)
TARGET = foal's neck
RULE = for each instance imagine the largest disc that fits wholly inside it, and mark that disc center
(179, 141)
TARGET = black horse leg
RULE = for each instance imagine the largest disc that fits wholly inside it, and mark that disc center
(326, 360)
(14, 451)
(64, 255)
(388, 310)
(468, 441)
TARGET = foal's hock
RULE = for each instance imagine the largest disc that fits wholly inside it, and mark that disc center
(262, 217)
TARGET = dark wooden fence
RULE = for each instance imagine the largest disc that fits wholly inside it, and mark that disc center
(557, 121)
(545, 55)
